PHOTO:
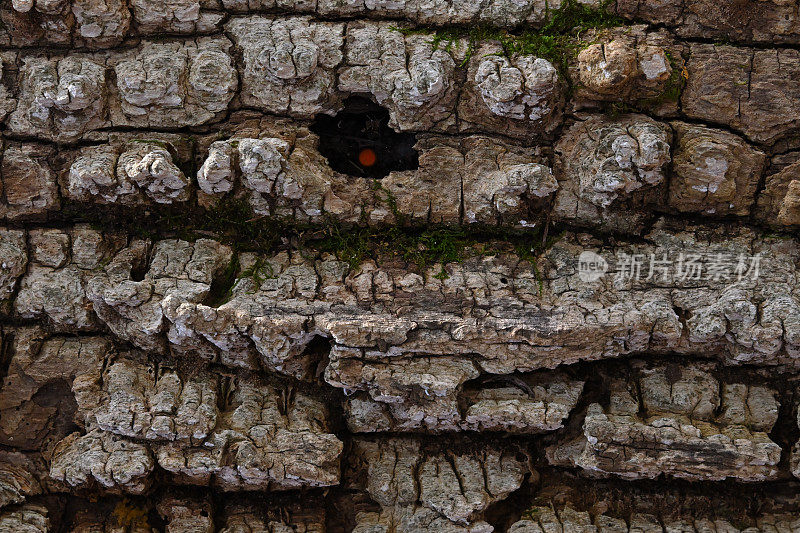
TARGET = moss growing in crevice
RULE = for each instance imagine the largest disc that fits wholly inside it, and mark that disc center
(558, 40)
(260, 271)
(232, 222)
(429, 246)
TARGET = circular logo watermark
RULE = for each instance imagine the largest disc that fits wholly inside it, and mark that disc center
(591, 266)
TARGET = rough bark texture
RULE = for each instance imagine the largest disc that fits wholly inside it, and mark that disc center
(207, 325)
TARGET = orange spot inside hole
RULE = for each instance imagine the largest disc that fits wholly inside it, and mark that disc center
(367, 157)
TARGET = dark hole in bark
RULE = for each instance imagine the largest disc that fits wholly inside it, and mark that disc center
(222, 286)
(317, 352)
(359, 134)
(55, 400)
(139, 270)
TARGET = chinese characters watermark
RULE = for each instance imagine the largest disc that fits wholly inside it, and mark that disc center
(670, 268)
